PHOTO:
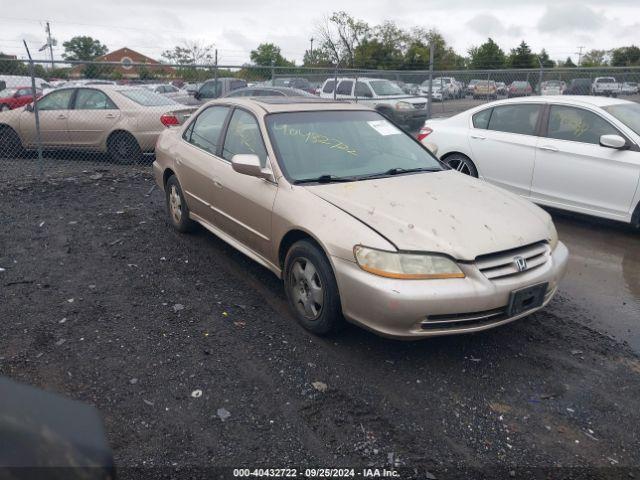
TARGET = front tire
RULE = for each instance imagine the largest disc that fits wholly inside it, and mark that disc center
(462, 164)
(124, 148)
(311, 289)
(177, 206)
(10, 143)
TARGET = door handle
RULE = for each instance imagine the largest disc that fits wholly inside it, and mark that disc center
(478, 137)
(548, 148)
(62, 116)
(217, 183)
(110, 115)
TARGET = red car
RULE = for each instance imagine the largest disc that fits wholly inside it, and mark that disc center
(11, 98)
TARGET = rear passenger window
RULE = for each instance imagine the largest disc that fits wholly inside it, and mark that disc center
(520, 119)
(328, 87)
(577, 125)
(206, 129)
(344, 87)
(481, 119)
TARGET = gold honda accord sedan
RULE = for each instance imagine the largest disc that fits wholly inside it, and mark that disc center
(358, 219)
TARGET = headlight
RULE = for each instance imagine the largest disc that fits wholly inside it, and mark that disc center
(415, 266)
(404, 106)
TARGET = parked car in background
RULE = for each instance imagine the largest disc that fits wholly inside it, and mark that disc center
(122, 121)
(471, 86)
(437, 94)
(166, 89)
(578, 86)
(449, 86)
(573, 153)
(551, 87)
(13, 81)
(11, 98)
(383, 95)
(321, 193)
(216, 88)
(411, 88)
(266, 91)
(297, 82)
(501, 88)
(605, 86)
(485, 89)
(629, 88)
(192, 88)
(519, 89)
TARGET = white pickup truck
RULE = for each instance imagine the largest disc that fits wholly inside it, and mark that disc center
(606, 86)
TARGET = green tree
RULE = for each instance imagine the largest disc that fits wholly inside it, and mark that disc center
(190, 53)
(417, 55)
(83, 48)
(568, 63)
(10, 66)
(341, 34)
(521, 57)
(625, 56)
(268, 54)
(594, 58)
(543, 58)
(487, 56)
(319, 57)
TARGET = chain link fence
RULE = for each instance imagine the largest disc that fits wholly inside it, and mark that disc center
(113, 112)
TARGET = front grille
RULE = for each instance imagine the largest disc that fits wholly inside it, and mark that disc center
(419, 106)
(503, 264)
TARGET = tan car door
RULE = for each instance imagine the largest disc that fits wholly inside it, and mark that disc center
(243, 203)
(53, 110)
(197, 161)
(93, 115)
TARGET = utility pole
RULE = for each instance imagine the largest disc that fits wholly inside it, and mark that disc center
(579, 53)
(311, 49)
(215, 73)
(50, 43)
(430, 91)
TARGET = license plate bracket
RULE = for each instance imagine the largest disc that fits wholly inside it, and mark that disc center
(527, 298)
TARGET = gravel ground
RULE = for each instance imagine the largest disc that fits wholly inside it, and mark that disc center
(102, 301)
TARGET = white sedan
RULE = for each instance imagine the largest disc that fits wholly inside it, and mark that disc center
(573, 153)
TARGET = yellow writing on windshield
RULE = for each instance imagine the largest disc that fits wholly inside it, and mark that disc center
(316, 138)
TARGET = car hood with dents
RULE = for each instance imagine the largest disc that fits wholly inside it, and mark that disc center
(445, 212)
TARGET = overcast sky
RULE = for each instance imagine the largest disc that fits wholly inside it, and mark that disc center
(238, 26)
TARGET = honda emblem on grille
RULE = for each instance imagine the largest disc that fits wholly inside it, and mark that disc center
(520, 263)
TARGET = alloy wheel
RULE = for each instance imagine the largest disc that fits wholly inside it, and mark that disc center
(175, 204)
(306, 288)
(460, 165)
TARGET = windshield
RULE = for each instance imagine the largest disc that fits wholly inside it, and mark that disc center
(8, 92)
(627, 113)
(146, 98)
(385, 87)
(343, 144)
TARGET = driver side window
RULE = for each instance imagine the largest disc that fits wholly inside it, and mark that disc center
(58, 100)
(577, 125)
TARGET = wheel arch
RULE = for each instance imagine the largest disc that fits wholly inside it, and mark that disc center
(292, 236)
(635, 216)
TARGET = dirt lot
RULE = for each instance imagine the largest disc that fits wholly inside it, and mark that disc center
(102, 301)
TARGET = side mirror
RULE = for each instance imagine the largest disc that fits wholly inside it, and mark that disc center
(613, 141)
(249, 164)
(29, 107)
(196, 95)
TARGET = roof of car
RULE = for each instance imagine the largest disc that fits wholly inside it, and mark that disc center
(292, 104)
(583, 100)
(289, 91)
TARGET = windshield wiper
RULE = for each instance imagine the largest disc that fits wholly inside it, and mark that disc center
(399, 170)
(325, 179)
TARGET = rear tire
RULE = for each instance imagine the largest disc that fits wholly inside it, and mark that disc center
(10, 144)
(124, 148)
(177, 206)
(462, 164)
(311, 289)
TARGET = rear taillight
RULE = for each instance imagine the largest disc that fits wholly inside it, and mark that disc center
(169, 120)
(424, 133)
